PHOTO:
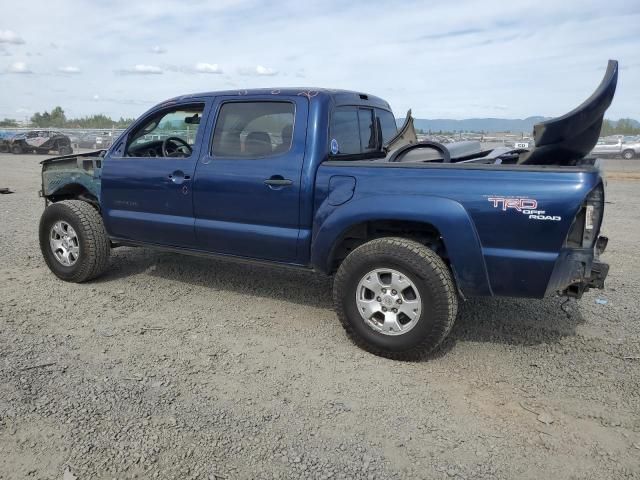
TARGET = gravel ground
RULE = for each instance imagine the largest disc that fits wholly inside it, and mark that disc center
(178, 367)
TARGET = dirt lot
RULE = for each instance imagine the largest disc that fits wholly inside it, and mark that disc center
(177, 367)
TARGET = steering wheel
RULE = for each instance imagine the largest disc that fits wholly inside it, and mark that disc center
(181, 144)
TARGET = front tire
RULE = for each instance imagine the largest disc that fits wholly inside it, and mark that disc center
(73, 241)
(395, 298)
(628, 154)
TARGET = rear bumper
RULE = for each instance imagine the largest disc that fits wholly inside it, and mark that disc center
(578, 270)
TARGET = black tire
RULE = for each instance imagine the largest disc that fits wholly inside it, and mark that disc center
(94, 246)
(628, 154)
(433, 281)
(64, 150)
(17, 149)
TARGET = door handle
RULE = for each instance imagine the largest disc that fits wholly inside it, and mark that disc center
(178, 177)
(278, 181)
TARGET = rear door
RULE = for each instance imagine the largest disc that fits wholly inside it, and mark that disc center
(247, 187)
(147, 192)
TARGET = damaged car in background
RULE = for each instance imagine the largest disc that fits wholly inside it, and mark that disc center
(323, 180)
(40, 141)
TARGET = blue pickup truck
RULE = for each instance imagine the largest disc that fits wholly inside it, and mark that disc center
(324, 180)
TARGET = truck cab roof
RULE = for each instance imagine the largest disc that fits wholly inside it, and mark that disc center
(334, 96)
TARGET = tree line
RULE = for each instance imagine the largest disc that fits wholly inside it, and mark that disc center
(56, 118)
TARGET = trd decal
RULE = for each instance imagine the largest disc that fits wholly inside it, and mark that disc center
(526, 206)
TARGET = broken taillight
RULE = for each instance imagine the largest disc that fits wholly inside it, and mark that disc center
(586, 225)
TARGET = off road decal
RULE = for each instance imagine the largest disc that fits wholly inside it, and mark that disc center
(525, 206)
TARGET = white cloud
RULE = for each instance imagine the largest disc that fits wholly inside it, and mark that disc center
(141, 69)
(9, 36)
(258, 70)
(19, 67)
(158, 49)
(69, 69)
(208, 68)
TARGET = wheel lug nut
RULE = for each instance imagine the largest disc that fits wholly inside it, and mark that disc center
(393, 292)
(399, 302)
(384, 309)
(384, 290)
(395, 310)
(378, 299)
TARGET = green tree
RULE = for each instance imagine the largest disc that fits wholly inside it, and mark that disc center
(8, 122)
(57, 117)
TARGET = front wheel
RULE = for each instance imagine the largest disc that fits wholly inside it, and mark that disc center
(73, 241)
(628, 154)
(395, 298)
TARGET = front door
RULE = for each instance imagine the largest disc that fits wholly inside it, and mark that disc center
(247, 187)
(147, 178)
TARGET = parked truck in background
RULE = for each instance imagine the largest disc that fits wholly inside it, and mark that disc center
(323, 180)
(627, 147)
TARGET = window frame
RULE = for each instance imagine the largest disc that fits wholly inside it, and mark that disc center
(218, 114)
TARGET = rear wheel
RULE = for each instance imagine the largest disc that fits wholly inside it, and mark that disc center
(395, 298)
(17, 149)
(73, 241)
(65, 150)
(628, 154)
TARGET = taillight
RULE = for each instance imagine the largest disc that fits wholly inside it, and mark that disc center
(586, 225)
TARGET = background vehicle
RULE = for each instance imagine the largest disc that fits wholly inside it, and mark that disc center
(40, 141)
(95, 141)
(323, 180)
(627, 147)
(5, 138)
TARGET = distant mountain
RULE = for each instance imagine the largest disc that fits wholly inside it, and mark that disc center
(488, 125)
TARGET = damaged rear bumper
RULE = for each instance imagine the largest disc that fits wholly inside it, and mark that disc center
(578, 270)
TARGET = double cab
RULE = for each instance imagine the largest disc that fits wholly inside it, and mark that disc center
(324, 180)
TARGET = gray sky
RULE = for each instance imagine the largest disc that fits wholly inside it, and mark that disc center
(444, 59)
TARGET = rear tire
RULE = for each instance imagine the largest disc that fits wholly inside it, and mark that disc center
(628, 154)
(65, 150)
(17, 149)
(417, 266)
(79, 225)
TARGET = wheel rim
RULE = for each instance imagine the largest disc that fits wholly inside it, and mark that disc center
(64, 243)
(628, 155)
(388, 301)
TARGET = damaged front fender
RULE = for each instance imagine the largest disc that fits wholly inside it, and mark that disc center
(72, 176)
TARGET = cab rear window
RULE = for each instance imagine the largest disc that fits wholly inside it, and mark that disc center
(352, 129)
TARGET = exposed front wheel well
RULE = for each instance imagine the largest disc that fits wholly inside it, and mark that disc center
(74, 191)
(357, 235)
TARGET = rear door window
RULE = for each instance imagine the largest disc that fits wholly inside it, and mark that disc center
(253, 129)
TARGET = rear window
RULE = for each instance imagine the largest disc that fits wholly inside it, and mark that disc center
(352, 130)
(253, 129)
(345, 131)
(388, 124)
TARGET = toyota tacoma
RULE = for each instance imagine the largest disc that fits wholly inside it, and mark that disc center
(324, 180)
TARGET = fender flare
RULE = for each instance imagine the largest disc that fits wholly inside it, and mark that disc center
(449, 217)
